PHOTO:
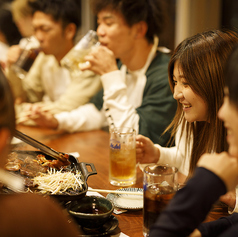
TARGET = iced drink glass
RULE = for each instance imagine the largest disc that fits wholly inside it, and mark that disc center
(159, 184)
(122, 164)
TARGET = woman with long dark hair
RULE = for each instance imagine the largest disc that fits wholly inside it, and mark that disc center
(215, 175)
(196, 76)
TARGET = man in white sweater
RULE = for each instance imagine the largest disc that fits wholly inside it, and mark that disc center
(47, 84)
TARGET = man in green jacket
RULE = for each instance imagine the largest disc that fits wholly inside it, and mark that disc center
(133, 70)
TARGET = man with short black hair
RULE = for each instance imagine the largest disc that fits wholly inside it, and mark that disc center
(47, 84)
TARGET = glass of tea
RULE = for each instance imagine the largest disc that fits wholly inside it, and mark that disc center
(160, 182)
(122, 164)
(27, 57)
(75, 57)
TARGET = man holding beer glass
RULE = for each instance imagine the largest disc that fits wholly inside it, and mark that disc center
(135, 91)
(47, 85)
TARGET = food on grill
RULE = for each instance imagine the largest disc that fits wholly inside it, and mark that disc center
(58, 164)
(64, 160)
(12, 166)
(57, 182)
(31, 167)
(13, 163)
(46, 176)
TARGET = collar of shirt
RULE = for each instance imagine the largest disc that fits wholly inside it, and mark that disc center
(136, 80)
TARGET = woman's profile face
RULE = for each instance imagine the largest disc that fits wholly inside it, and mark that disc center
(194, 107)
(229, 114)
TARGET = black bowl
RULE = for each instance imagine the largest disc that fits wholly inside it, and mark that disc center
(91, 211)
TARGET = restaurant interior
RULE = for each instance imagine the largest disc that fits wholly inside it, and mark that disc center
(88, 151)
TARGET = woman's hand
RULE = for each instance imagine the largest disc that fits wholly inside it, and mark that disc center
(229, 199)
(196, 233)
(146, 152)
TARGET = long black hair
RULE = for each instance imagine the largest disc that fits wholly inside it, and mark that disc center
(8, 27)
(231, 75)
(202, 59)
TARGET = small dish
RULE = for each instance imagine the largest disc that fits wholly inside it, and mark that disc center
(127, 201)
(105, 229)
(91, 211)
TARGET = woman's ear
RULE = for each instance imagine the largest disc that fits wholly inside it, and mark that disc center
(70, 31)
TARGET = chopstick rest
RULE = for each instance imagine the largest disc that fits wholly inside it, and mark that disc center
(115, 191)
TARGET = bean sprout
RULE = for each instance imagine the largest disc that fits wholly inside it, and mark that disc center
(58, 182)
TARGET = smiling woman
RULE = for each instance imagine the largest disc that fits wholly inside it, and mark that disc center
(197, 81)
(201, 59)
(194, 107)
(215, 175)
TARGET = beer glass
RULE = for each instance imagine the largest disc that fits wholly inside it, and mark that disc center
(159, 184)
(27, 57)
(122, 164)
(75, 57)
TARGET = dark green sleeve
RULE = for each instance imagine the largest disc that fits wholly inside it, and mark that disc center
(158, 106)
(97, 100)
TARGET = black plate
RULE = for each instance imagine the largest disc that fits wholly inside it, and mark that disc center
(74, 166)
(106, 229)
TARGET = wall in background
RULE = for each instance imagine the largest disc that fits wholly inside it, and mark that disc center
(186, 18)
(194, 16)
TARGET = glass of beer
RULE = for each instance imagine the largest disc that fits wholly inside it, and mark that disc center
(122, 164)
(27, 57)
(159, 184)
(75, 57)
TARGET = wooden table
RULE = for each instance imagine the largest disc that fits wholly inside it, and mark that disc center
(93, 147)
